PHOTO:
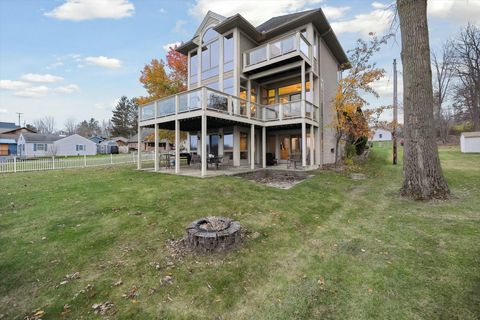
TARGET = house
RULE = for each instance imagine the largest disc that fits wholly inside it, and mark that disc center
(381, 135)
(31, 145)
(97, 139)
(147, 142)
(256, 90)
(470, 142)
(8, 145)
(108, 147)
(7, 126)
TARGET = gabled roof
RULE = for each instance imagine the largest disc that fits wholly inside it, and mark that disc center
(276, 26)
(15, 130)
(37, 137)
(279, 20)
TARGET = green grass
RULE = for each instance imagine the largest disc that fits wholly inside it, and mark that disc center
(377, 256)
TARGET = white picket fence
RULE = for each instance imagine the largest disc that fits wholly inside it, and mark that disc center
(54, 163)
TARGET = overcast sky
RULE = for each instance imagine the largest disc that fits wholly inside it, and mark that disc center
(75, 58)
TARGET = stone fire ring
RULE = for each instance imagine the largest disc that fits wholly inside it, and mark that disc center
(213, 234)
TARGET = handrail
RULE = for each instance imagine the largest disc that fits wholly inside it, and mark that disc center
(229, 104)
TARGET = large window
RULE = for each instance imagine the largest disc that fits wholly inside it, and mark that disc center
(193, 143)
(210, 52)
(80, 147)
(243, 145)
(228, 145)
(228, 85)
(228, 53)
(193, 67)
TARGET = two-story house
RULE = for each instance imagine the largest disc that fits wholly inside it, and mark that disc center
(254, 91)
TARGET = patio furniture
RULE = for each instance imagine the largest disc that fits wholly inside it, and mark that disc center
(215, 160)
(196, 159)
(271, 160)
(293, 160)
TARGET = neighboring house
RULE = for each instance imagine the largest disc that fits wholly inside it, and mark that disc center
(257, 90)
(97, 139)
(31, 145)
(7, 126)
(381, 135)
(8, 145)
(470, 142)
(108, 147)
(147, 142)
(121, 141)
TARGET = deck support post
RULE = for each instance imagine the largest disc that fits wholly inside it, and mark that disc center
(156, 147)
(204, 145)
(312, 146)
(304, 144)
(318, 155)
(264, 147)
(252, 146)
(139, 142)
(177, 146)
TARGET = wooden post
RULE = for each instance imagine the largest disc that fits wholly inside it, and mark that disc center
(264, 147)
(304, 144)
(312, 139)
(53, 162)
(177, 146)
(252, 146)
(14, 164)
(84, 160)
(204, 145)
(111, 158)
(156, 147)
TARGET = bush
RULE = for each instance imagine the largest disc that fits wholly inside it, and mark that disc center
(361, 145)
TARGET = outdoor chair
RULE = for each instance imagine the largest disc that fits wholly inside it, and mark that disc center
(293, 160)
(271, 160)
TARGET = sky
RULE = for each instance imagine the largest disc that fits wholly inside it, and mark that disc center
(73, 59)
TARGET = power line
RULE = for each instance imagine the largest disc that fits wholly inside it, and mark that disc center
(19, 115)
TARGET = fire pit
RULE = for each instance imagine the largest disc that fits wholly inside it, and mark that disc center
(213, 234)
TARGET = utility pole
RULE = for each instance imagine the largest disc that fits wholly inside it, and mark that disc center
(395, 112)
(19, 114)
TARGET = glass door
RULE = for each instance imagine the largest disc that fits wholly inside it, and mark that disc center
(213, 144)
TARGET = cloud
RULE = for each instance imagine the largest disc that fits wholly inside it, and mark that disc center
(256, 11)
(377, 21)
(461, 11)
(171, 45)
(12, 84)
(104, 62)
(379, 5)
(34, 77)
(384, 86)
(3, 110)
(79, 10)
(180, 27)
(54, 65)
(162, 10)
(333, 13)
(70, 88)
(32, 92)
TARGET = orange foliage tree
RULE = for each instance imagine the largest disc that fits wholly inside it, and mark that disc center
(352, 119)
(161, 80)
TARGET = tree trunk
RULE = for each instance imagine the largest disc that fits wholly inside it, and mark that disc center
(422, 174)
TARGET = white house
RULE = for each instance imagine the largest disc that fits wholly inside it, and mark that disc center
(31, 145)
(381, 135)
(75, 145)
(470, 142)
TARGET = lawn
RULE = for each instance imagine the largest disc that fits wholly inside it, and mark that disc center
(329, 248)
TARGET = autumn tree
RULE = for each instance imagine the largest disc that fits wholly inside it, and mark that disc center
(125, 118)
(422, 173)
(351, 123)
(161, 80)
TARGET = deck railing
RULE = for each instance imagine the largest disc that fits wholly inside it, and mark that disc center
(209, 99)
(277, 48)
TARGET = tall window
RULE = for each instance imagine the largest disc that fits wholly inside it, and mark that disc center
(193, 67)
(228, 85)
(228, 53)
(210, 52)
(228, 145)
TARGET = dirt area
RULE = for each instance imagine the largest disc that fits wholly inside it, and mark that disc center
(276, 178)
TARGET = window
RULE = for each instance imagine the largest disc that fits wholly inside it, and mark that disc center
(193, 67)
(315, 45)
(228, 85)
(80, 147)
(228, 53)
(228, 145)
(39, 147)
(213, 85)
(243, 145)
(193, 143)
(210, 52)
(380, 135)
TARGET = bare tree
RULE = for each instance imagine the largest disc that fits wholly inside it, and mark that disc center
(422, 173)
(442, 87)
(70, 126)
(466, 50)
(45, 125)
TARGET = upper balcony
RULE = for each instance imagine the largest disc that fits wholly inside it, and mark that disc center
(291, 47)
(221, 105)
